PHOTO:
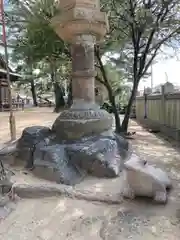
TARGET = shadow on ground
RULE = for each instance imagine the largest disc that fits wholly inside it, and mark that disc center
(157, 150)
(162, 153)
(64, 218)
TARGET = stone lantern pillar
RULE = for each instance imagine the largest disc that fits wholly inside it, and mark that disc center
(81, 23)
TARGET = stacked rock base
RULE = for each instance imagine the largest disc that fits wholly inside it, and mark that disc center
(69, 162)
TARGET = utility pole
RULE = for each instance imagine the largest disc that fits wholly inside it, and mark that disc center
(145, 103)
(166, 76)
(151, 77)
(12, 122)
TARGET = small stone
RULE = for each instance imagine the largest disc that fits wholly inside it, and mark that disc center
(3, 200)
(178, 213)
(154, 230)
(145, 180)
(46, 234)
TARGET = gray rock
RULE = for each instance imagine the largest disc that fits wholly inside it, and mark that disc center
(125, 149)
(8, 149)
(32, 136)
(8, 152)
(69, 161)
(5, 183)
(142, 179)
(99, 157)
(52, 163)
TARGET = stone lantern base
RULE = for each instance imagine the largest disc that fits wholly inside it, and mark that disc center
(65, 154)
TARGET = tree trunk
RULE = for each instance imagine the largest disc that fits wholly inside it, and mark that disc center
(117, 121)
(114, 109)
(58, 92)
(33, 91)
(125, 122)
(70, 96)
(59, 99)
(110, 92)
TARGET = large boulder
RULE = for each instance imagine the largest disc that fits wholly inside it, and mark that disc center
(52, 163)
(99, 156)
(68, 161)
(31, 137)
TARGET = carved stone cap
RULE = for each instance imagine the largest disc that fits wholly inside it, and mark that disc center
(80, 21)
(68, 4)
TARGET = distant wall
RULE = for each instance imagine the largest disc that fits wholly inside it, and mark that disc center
(160, 112)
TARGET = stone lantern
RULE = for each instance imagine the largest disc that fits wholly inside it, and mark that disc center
(81, 139)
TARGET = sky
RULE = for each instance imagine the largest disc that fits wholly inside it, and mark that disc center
(162, 71)
(5, 2)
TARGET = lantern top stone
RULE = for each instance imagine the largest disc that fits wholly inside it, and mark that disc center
(64, 4)
(80, 17)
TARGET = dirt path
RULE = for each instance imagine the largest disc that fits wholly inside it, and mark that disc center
(29, 117)
(71, 219)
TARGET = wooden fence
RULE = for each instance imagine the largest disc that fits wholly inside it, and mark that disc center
(161, 112)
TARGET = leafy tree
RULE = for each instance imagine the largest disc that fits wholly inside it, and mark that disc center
(28, 80)
(119, 84)
(102, 77)
(138, 30)
(38, 41)
(39, 80)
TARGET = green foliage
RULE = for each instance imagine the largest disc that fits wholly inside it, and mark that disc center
(41, 74)
(37, 40)
(138, 30)
(37, 46)
(119, 84)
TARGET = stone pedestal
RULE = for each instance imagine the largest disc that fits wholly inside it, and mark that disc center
(81, 140)
(85, 118)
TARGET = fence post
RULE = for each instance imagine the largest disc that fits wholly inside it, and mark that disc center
(145, 105)
(163, 105)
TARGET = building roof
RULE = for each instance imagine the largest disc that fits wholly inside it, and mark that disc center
(3, 71)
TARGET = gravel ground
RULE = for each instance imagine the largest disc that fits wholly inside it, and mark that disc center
(71, 219)
(27, 118)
